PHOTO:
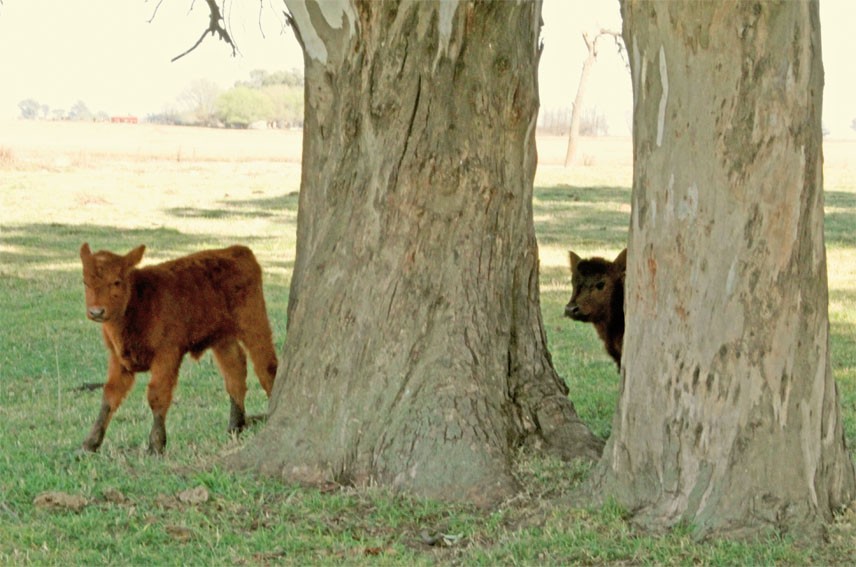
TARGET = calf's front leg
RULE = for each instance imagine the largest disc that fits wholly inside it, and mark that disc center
(119, 382)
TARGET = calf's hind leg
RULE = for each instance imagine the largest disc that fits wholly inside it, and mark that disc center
(257, 338)
(232, 362)
(264, 360)
(164, 378)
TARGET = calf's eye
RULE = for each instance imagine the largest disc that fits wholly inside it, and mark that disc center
(600, 285)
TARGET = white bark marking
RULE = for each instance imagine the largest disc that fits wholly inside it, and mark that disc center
(312, 43)
(642, 78)
(335, 12)
(530, 133)
(446, 15)
(636, 75)
(664, 97)
(731, 280)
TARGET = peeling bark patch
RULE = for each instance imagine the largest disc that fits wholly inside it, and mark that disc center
(340, 10)
(731, 280)
(313, 45)
(664, 97)
(445, 16)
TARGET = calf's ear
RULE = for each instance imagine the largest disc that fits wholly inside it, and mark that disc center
(133, 257)
(574, 260)
(86, 258)
(620, 261)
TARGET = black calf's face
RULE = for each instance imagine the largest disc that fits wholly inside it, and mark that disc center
(594, 281)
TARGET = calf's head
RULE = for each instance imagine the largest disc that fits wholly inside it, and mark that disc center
(594, 281)
(105, 277)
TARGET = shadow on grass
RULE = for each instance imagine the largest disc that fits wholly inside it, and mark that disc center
(842, 332)
(48, 244)
(51, 246)
(582, 217)
(840, 223)
(245, 208)
(842, 347)
(591, 217)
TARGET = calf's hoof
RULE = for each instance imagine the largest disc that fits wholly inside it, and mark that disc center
(157, 447)
(237, 418)
(90, 445)
(157, 438)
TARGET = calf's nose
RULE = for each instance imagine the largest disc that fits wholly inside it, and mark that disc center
(571, 310)
(96, 313)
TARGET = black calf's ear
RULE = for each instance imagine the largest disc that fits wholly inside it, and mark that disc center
(621, 260)
(574, 260)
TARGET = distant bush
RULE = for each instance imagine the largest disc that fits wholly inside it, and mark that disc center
(241, 106)
(276, 99)
(267, 100)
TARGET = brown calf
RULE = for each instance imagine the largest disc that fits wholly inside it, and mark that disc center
(598, 298)
(150, 317)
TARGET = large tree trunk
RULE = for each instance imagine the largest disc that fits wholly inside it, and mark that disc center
(728, 418)
(416, 356)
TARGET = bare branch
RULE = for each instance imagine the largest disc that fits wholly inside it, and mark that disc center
(588, 42)
(214, 27)
(619, 43)
(289, 22)
(227, 19)
(155, 12)
(591, 44)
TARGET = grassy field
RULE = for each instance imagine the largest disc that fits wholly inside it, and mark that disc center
(117, 186)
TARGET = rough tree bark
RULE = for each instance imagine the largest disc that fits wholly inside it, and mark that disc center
(416, 356)
(728, 418)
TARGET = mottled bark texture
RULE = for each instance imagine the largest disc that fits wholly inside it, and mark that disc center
(728, 419)
(416, 356)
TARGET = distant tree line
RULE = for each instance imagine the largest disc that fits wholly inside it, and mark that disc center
(270, 100)
(558, 122)
(33, 110)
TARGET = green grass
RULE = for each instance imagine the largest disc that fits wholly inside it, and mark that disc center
(48, 350)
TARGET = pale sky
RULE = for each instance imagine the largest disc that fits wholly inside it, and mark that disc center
(107, 54)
